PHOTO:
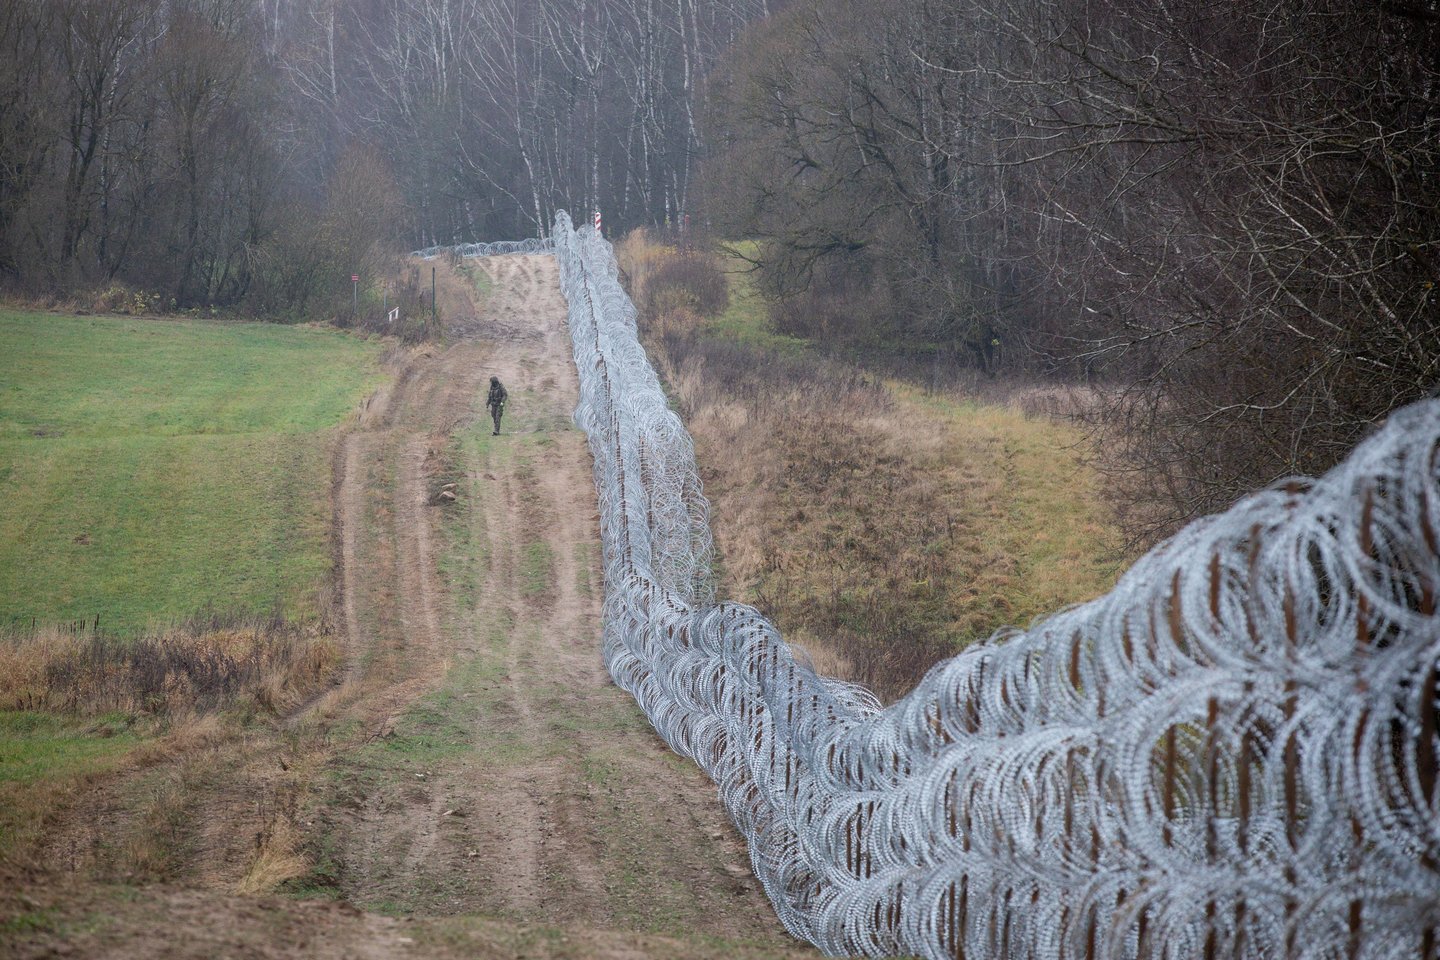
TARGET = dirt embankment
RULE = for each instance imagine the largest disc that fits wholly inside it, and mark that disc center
(475, 785)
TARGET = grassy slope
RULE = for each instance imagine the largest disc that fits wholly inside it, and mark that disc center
(43, 758)
(150, 468)
(1026, 491)
(1041, 506)
(880, 531)
(36, 744)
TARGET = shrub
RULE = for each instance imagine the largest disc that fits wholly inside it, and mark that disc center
(686, 279)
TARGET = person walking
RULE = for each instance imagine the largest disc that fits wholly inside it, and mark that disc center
(495, 403)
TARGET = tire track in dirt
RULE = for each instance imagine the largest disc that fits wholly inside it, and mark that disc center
(388, 590)
(564, 807)
(415, 565)
(349, 507)
(396, 644)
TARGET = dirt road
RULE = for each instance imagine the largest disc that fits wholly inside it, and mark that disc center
(476, 785)
(525, 785)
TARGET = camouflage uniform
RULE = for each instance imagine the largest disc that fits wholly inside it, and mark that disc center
(495, 403)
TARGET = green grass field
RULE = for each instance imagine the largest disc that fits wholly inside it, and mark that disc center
(746, 318)
(150, 469)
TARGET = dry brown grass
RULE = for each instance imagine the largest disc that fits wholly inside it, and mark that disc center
(145, 838)
(151, 720)
(153, 849)
(882, 527)
(456, 290)
(830, 512)
(279, 860)
(280, 853)
(192, 668)
(113, 298)
(639, 254)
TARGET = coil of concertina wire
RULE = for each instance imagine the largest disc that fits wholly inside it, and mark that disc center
(1232, 754)
(495, 249)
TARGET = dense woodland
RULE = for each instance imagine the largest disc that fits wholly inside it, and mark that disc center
(1222, 215)
(1225, 211)
(258, 152)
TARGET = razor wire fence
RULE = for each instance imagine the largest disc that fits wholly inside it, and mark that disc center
(1233, 753)
(495, 249)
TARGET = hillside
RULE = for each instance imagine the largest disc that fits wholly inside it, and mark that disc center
(882, 526)
(463, 777)
(155, 469)
(466, 782)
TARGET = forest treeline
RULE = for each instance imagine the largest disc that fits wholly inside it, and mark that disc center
(1224, 212)
(259, 152)
(1220, 216)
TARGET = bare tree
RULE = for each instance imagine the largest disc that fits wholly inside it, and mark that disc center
(1226, 207)
(187, 135)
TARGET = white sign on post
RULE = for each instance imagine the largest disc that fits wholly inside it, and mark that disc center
(394, 314)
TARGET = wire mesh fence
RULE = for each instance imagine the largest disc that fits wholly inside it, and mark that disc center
(1233, 753)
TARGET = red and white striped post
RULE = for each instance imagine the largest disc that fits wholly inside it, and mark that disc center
(597, 219)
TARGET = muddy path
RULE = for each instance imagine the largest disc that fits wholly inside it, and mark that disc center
(511, 778)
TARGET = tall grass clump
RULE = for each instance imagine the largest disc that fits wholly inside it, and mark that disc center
(666, 280)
